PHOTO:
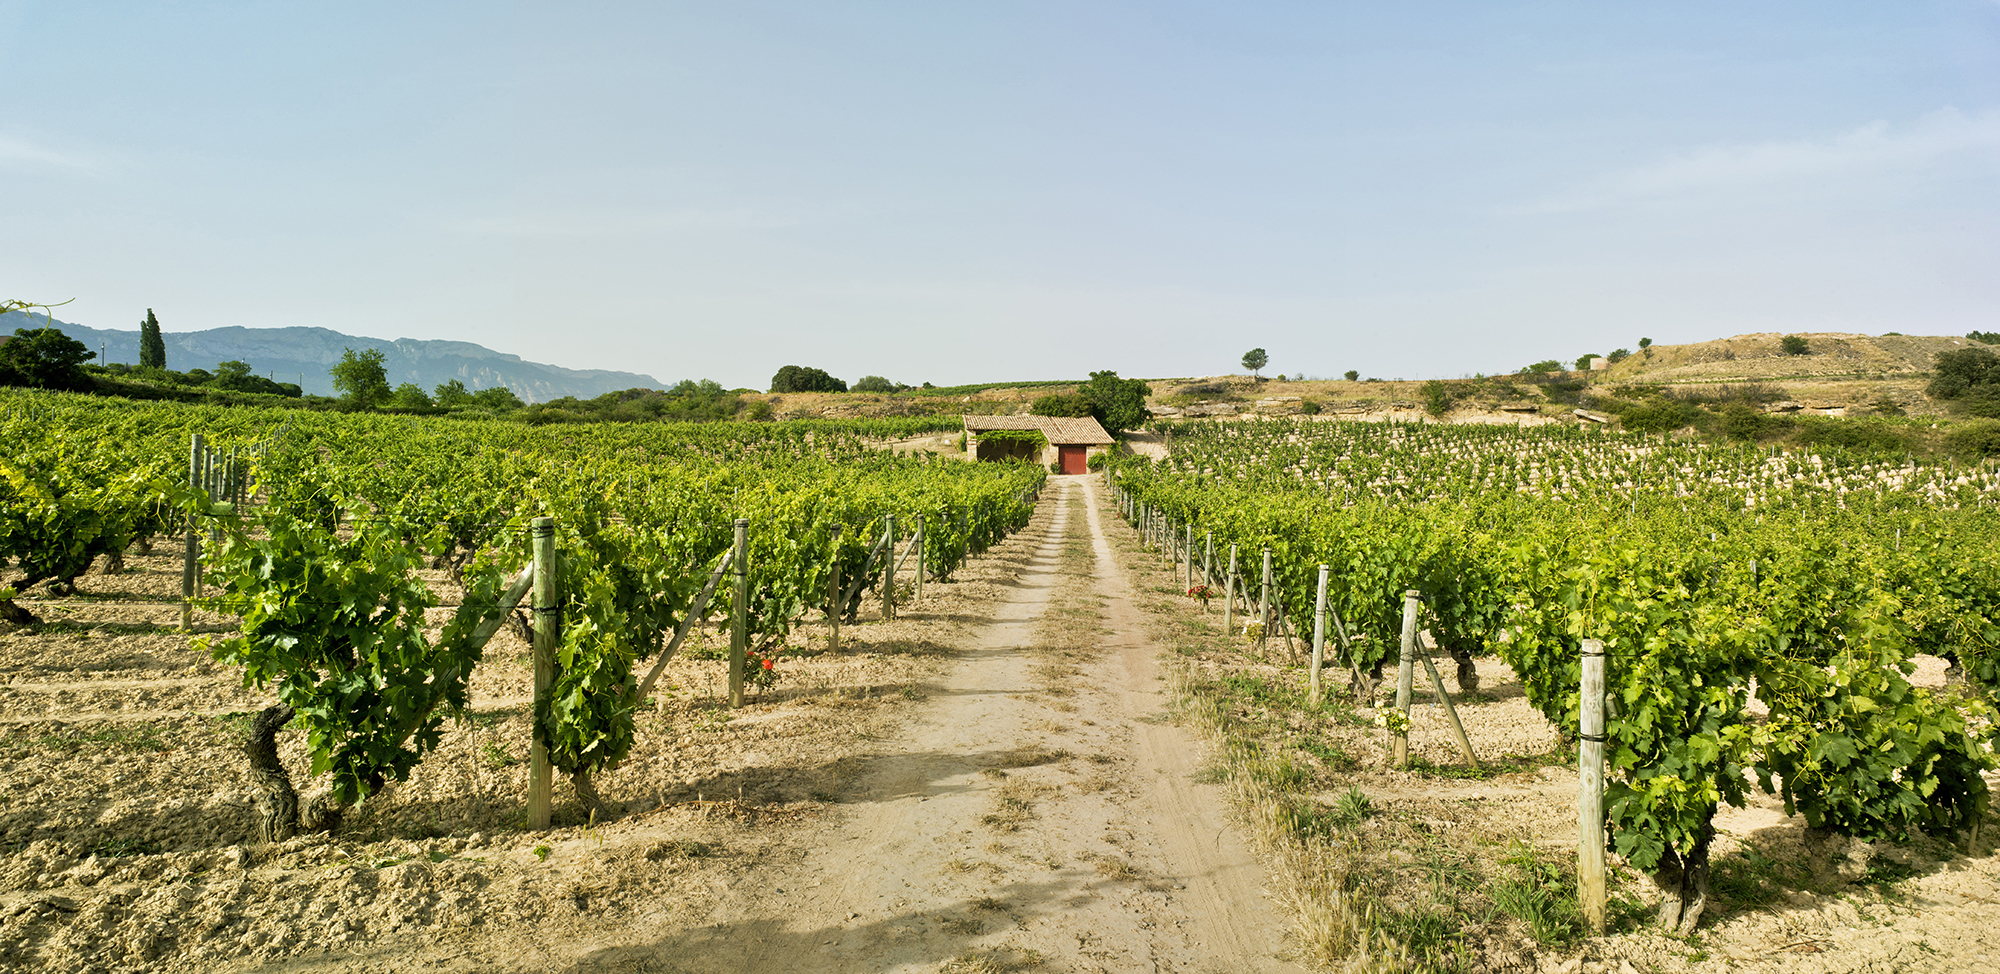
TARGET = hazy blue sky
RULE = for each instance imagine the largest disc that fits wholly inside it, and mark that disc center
(958, 192)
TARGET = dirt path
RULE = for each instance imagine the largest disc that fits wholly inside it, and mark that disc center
(1037, 813)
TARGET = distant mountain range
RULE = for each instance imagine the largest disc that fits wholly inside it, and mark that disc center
(303, 355)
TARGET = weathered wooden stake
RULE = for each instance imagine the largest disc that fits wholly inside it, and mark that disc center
(739, 613)
(1229, 595)
(889, 569)
(191, 553)
(548, 628)
(1264, 604)
(1399, 744)
(834, 609)
(1590, 788)
(1450, 712)
(1319, 633)
(918, 592)
(1188, 547)
(1208, 559)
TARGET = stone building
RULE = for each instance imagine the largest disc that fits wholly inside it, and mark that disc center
(1062, 439)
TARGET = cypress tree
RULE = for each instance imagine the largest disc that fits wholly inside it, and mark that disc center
(152, 348)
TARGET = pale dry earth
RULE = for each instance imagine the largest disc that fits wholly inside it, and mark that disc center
(986, 784)
(928, 798)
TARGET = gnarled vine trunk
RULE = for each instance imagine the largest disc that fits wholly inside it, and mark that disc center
(1468, 672)
(1684, 885)
(594, 807)
(277, 800)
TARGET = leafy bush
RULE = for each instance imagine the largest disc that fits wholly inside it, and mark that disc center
(1437, 398)
(1119, 404)
(1794, 345)
(872, 383)
(1962, 370)
(801, 378)
(44, 358)
(1657, 415)
(1979, 439)
(1061, 404)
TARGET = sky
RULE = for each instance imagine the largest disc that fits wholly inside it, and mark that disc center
(977, 192)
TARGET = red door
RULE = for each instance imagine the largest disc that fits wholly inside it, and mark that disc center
(1073, 460)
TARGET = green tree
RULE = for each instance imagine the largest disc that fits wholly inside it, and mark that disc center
(1352, 375)
(44, 358)
(452, 393)
(1542, 367)
(362, 378)
(1437, 398)
(1619, 355)
(234, 376)
(1062, 404)
(409, 395)
(802, 378)
(1119, 404)
(500, 399)
(1794, 345)
(152, 348)
(1255, 360)
(1583, 361)
(873, 383)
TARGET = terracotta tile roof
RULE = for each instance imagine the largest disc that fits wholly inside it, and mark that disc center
(1083, 430)
(978, 423)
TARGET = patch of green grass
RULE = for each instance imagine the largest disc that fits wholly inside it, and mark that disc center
(122, 846)
(495, 756)
(1539, 891)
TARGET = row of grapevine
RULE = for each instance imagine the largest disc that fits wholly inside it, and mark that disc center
(325, 569)
(1811, 594)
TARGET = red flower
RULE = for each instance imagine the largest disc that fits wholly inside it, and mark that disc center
(769, 663)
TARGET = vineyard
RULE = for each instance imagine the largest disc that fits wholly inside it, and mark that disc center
(278, 683)
(372, 575)
(1760, 614)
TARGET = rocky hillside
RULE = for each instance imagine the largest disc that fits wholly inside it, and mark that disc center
(1759, 357)
(303, 355)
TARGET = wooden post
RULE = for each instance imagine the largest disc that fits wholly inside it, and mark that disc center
(191, 553)
(548, 629)
(739, 614)
(1450, 712)
(834, 610)
(889, 569)
(1264, 604)
(918, 592)
(1319, 634)
(1590, 789)
(1399, 744)
(1188, 547)
(1229, 596)
(1208, 558)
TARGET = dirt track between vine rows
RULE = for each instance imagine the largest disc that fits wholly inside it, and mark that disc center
(1013, 822)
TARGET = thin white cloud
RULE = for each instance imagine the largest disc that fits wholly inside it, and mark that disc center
(1874, 147)
(21, 152)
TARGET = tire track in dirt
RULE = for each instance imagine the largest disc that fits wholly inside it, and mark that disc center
(1012, 826)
